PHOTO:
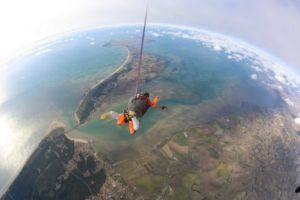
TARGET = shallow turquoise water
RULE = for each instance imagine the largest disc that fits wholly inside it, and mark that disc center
(41, 87)
(201, 72)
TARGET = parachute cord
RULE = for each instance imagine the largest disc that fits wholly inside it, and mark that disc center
(141, 54)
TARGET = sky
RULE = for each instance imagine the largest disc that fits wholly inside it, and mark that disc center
(272, 25)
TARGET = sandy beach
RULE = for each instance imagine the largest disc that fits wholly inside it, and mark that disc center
(103, 81)
(76, 139)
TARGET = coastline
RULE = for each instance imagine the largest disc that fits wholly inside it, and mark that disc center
(124, 63)
(123, 78)
(54, 126)
(57, 125)
(104, 84)
(58, 154)
(80, 140)
(52, 130)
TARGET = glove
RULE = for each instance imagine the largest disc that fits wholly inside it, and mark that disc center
(164, 107)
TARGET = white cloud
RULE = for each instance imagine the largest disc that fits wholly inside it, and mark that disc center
(90, 38)
(239, 51)
(253, 76)
(217, 48)
(41, 52)
(297, 120)
(280, 78)
(257, 68)
(155, 34)
(271, 24)
(289, 102)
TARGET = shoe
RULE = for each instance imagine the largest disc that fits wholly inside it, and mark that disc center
(106, 115)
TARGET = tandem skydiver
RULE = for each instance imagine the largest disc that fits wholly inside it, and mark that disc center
(139, 103)
(137, 107)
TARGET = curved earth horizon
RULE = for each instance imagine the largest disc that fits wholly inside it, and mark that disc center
(230, 131)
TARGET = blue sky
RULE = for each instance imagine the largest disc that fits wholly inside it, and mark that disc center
(273, 25)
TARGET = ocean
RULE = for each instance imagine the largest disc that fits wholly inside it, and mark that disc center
(47, 84)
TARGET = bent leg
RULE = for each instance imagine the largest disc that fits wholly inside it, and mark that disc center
(114, 115)
(121, 119)
(136, 123)
(131, 129)
(110, 114)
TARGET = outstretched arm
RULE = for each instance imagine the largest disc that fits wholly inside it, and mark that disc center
(154, 102)
(159, 107)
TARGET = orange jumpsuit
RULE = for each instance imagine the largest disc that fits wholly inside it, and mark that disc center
(122, 117)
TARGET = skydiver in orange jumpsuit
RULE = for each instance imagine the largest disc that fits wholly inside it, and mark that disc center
(137, 107)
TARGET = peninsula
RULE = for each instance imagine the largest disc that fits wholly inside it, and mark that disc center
(124, 75)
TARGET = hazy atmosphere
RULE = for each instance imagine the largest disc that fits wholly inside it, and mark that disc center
(206, 106)
(272, 25)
